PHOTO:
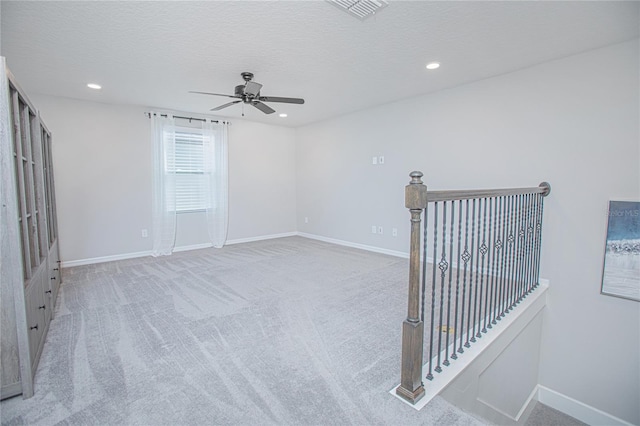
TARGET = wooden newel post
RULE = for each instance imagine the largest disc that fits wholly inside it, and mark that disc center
(411, 387)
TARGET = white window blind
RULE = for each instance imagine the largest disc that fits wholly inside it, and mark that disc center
(191, 167)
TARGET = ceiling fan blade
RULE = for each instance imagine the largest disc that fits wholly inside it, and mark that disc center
(224, 106)
(252, 88)
(284, 100)
(262, 107)
(214, 94)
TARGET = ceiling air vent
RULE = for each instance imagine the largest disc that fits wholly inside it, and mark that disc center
(361, 9)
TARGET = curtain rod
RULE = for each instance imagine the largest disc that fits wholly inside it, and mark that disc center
(148, 114)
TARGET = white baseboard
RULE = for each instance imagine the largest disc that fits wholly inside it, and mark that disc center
(103, 259)
(260, 238)
(191, 247)
(574, 408)
(354, 245)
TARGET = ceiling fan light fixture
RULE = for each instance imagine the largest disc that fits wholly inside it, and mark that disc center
(361, 9)
(252, 88)
(283, 115)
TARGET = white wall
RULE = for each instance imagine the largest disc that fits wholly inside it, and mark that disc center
(573, 122)
(102, 160)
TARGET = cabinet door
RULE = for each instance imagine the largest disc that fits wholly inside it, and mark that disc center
(49, 187)
(36, 307)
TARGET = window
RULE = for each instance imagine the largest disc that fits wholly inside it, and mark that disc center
(189, 174)
(191, 167)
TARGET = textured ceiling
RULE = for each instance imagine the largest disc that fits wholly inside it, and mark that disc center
(151, 53)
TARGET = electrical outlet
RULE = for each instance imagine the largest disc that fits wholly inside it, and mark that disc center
(380, 230)
(306, 220)
(374, 160)
(394, 232)
(381, 159)
(144, 233)
(374, 229)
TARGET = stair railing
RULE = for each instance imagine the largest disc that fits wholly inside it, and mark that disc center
(478, 259)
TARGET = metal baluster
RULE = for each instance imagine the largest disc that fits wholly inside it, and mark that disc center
(495, 276)
(443, 266)
(505, 253)
(532, 209)
(536, 264)
(446, 346)
(470, 331)
(477, 271)
(524, 239)
(540, 230)
(532, 254)
(465, 258)
(454, 355)
(433, 287)
(534, 267)
(424, 262)
(481, 268)
(519, 236)
(487, 269)
(510, 258)
(512, 247)
(495, 264)
(527, 241)
(505, 249)
(514, 255)
(523, 250)
(528, 236)
(491, 261)
(424, 279)
(499, 259)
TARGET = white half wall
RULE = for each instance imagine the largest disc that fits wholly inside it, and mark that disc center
(102, 166)
(573, 122)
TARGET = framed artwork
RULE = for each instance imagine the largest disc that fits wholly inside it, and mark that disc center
(621, 271)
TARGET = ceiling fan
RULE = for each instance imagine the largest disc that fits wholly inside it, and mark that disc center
(249, 93)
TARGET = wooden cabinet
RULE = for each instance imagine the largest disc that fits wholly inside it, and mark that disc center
(29, 261)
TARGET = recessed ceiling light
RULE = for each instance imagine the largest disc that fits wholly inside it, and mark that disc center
(94, 86)
(283, 115)
(433, 65)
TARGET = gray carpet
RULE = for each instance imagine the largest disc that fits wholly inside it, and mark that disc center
(287, 331)
(543, 415)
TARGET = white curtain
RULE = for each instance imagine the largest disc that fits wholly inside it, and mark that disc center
(163, 197)
(216, 142)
